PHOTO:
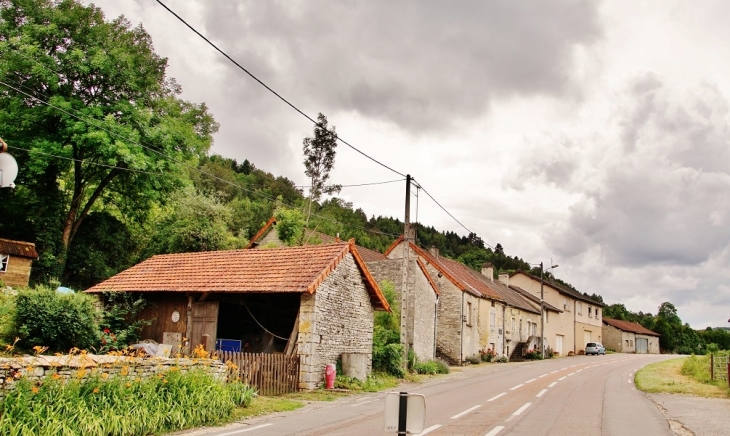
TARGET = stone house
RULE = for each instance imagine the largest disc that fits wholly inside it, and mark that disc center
(313, 301)
(629, 337)
(422, 292)
(16, 259)
(579, 323)
(462, 329)
(519, 318)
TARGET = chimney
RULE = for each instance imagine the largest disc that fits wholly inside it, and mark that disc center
(488, 271)
(434, 251)
(504, 278)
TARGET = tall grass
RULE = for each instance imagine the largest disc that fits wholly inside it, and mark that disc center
(120, 405)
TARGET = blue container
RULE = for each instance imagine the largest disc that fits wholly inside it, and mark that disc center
(228, 345)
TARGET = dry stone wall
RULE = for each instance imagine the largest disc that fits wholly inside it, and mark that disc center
(36, 368)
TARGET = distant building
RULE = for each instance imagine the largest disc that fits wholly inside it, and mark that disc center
(16, 258)
(629, 337)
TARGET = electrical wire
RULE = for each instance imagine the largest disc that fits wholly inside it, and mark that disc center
(257, 322)
(274, 92)
(361, 184)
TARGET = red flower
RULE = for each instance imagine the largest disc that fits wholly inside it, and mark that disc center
(107, 331)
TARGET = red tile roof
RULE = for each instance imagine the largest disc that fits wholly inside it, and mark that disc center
(313, 237)
(560, 288)
(422, 265)
(18, 248)
(629, 326)
(290, 269)
(459, 274)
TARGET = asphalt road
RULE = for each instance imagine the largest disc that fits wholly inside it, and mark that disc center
(582, 395)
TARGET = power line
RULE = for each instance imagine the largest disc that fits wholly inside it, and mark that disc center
(274, 92)
(360, 184)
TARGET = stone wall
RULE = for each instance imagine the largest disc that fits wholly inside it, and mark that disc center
(613, 339)
(337, 318)
(421, 313)
(36, 368)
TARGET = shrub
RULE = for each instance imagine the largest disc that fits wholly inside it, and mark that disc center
(549, 353)
(120, 325)
(533, 355)
(502, 359)
(431, 367)
(119, 405)
(487, 356)
(387, 351)
(389, 359)
(474, 360)
(697, 367)
(58, 321)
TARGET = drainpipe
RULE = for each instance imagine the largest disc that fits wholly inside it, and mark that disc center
(575, 307)
(504, 316)
(435, 324)
(461, 331)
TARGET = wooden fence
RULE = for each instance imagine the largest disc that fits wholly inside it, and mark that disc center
(719, 368)
(271, 374)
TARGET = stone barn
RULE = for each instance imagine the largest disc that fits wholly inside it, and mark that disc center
(314, 301)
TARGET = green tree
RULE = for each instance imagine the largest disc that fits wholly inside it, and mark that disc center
(113, 93)
(319, 159)
(289, 226)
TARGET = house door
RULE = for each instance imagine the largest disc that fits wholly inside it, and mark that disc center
(521, 330)
(205, 325)
(642, 345)
(559, 344)
(586, 337)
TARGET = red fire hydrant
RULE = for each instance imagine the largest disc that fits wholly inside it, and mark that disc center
(330, 372)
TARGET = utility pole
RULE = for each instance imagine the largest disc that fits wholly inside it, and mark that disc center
(404, 285)
(542, 314)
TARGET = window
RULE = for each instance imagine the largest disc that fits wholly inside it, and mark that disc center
(492, 320)
(580, 308)
(598, 314)
(566, 307)
(468, 313)
(4, 258)
(590, 310)
(514, 325)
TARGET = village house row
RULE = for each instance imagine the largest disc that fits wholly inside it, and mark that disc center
(317, 301)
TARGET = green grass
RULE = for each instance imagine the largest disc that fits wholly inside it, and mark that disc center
(374, 383)
(684, 375)
(266, 405)
(316, 395)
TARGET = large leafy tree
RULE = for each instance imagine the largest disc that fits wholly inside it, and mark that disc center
(117, 118)
(319, 159)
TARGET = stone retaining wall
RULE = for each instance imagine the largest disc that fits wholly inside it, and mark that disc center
(69, 367)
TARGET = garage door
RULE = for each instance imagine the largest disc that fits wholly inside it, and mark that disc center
(586, 337)
(559, 344)
(642, 345)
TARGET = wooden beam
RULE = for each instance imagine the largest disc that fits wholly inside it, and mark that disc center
(203, 296)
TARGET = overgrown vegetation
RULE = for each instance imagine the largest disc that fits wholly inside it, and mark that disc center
(677, 376)
(431, 367)
(387, 351)
(374, 383)
(120, 405)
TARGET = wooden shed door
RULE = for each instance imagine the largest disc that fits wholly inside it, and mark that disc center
(642, 345)
(205, 322)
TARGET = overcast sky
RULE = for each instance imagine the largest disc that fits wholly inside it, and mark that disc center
(595, 134)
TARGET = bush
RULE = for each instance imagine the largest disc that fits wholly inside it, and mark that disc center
(474, 360)
(697, 367)
(119, 405)
(431, 367)
(533, 355)
(389, 359)
(502, 359)
(487, 356)
(387, 351)
(120, 326)
(549, 353)
(57, 321)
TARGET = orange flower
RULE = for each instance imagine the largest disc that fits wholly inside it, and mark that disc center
(55, 375)
(164, 381)
(34, 390)
(105, 376)
(96, 390)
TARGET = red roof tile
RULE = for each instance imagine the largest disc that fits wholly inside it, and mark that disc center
(18, 248)
(629, 326)
(290, 269)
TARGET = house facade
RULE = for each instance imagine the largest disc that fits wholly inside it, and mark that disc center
(629, 337)
(578, 324)
(313, 301)
(462, 323)
(16, 259)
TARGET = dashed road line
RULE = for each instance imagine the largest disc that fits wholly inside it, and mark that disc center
(362, 402)
(497, 396)
(552, 384)
(563, 377)
(495, 430)
(459, 415)
(542, 376)
(553, 372)
(541, 393)
(429, 430)
(244, 430)
(521, 409)
(530, 380)
(572, 373)
(516, 387)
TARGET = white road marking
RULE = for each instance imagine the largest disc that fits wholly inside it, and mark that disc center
(244, 430)
(541, 393)
(572, 373)
(518, 386)
(361, 403)
(580, 370)
(552, 384)
(459, 415)
(429, 430)
(495, 430)
(563, 378)
(553, 372)
(521, 409)
(629, 380)
(542, 376)
(531, 380)
(563, 368)
(496, 396)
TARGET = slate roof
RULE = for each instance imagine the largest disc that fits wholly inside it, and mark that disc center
(629, 326)
(511, 297)
(459, 274)
(534, 299)
(18, 248)
(290, 269)
(313, 237)
(564, 289)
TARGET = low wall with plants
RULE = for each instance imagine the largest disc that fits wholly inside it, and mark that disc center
(36, 369)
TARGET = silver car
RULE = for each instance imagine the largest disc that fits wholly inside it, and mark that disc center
(595, 348)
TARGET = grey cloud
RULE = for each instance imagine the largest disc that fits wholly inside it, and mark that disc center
(420, 65)
(665, 201)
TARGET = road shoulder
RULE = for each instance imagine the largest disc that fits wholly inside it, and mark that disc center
(692, 415)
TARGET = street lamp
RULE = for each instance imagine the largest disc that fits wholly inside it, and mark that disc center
(542, 310)
(8, 167)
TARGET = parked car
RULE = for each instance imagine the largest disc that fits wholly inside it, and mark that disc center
(595, 348)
